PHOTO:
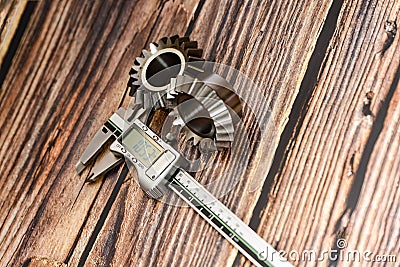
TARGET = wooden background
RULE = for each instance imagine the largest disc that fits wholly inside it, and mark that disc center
(336, 162)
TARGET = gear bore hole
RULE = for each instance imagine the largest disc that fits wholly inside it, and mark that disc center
(195, 116)
(169, 63)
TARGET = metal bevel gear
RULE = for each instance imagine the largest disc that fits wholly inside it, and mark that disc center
(202, 112)
(165, 60)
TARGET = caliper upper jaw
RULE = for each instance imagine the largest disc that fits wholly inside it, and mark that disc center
(103, 138)
(93, 149)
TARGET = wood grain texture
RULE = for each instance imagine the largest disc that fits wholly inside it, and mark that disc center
(10, 15)
(335, 170)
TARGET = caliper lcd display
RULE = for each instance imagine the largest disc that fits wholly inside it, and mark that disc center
(141, 146)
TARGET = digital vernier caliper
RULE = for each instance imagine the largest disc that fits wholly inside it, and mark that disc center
(159, 167)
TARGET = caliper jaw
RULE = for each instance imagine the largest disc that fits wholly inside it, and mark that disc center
(108, 162)
(103, 138)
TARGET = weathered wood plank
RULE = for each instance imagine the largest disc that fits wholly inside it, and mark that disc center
(378, 205)
(331, 186)
(10, 15)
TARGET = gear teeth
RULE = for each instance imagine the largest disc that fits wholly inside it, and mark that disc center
(196, 140)
(210, 99)
(207, 102)
(225, 124)
(158, 99)
(211, 102)
(183, 39)
(131, 80)
(146, 100)
(171, 94)
(162, 43)
(172, 83)
(187, 84)
(134, 69)
(192, 53)
(140, 60)
(174, 39)
(219, 113)
(195, 86)
(203, 93)
(226, 137)
(146, 53)
(191, 136)
(190, 44)
(134, 87)
(153, 48)
(221, 116)
(225, 128)
(223, 145)
(207, 145)
(215, 105)
(134, 81)
(165, 40)
(132, 90)
(181, 84)
(225, 120)
(169, 41)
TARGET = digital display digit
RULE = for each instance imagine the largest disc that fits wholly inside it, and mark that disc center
(142, 146)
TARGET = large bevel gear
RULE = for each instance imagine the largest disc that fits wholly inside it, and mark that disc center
(165, 60)
(206, 117)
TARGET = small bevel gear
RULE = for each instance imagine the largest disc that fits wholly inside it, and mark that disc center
(151, 73)
(220, 85)
(201, 112)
